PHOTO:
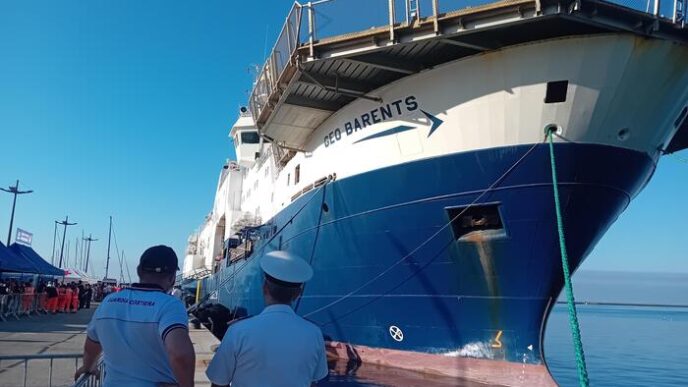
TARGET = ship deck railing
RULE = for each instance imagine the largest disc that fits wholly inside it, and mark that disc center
(195, 275)
(322, 61)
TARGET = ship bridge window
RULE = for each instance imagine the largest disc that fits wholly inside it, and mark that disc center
(297, 174)
(250, 138)
(556, 91)
(481, 217)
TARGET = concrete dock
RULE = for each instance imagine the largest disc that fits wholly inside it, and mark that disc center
(204, 345)
(65, 334)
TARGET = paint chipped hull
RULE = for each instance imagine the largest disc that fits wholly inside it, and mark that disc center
(475, 306)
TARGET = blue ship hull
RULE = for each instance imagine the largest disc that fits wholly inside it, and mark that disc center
(450, 296)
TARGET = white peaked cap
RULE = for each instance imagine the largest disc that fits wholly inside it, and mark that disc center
(286, 267)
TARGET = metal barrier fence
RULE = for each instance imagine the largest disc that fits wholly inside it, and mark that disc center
(18, 305)
(37, 364)
(94, 379)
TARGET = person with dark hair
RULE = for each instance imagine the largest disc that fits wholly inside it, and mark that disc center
(28, 298)
(52, 298)
(62, 294)
(16, 287)
(42, 300)
(68, 297)
(88, 294)
(75, 297)
(276, 347)
(81, 288)
(98, 292)
(142, 330)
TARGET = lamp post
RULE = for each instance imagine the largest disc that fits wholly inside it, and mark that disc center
(65, 223)
(14, 191)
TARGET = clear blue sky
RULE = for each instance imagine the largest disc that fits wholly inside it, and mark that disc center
(122, 108)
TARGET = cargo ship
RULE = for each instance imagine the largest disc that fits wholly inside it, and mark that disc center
(407, 163)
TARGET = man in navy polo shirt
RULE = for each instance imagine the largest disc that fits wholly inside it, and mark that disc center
(142, 331)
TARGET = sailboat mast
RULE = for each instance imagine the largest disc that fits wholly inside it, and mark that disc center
(126, 265)
(76, 252)
(107, 263)
(66, 262)
(82, 250)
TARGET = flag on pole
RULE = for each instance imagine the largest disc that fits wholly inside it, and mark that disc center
(24, 237)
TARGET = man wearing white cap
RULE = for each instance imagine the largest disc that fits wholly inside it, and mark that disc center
(276, 347)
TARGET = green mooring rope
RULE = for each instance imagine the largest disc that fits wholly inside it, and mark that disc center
(573, 315)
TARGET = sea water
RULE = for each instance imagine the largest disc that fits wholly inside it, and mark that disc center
(624, 345)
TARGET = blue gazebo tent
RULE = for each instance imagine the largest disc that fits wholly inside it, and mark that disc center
(42, 267)
(12, 262)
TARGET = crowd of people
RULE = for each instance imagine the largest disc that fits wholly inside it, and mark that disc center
(50, 296)
(102, 290)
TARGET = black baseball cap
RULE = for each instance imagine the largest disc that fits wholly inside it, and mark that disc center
(159, 259)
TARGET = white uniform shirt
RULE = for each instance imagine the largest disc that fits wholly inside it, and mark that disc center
(275, 348)
(131, 326)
